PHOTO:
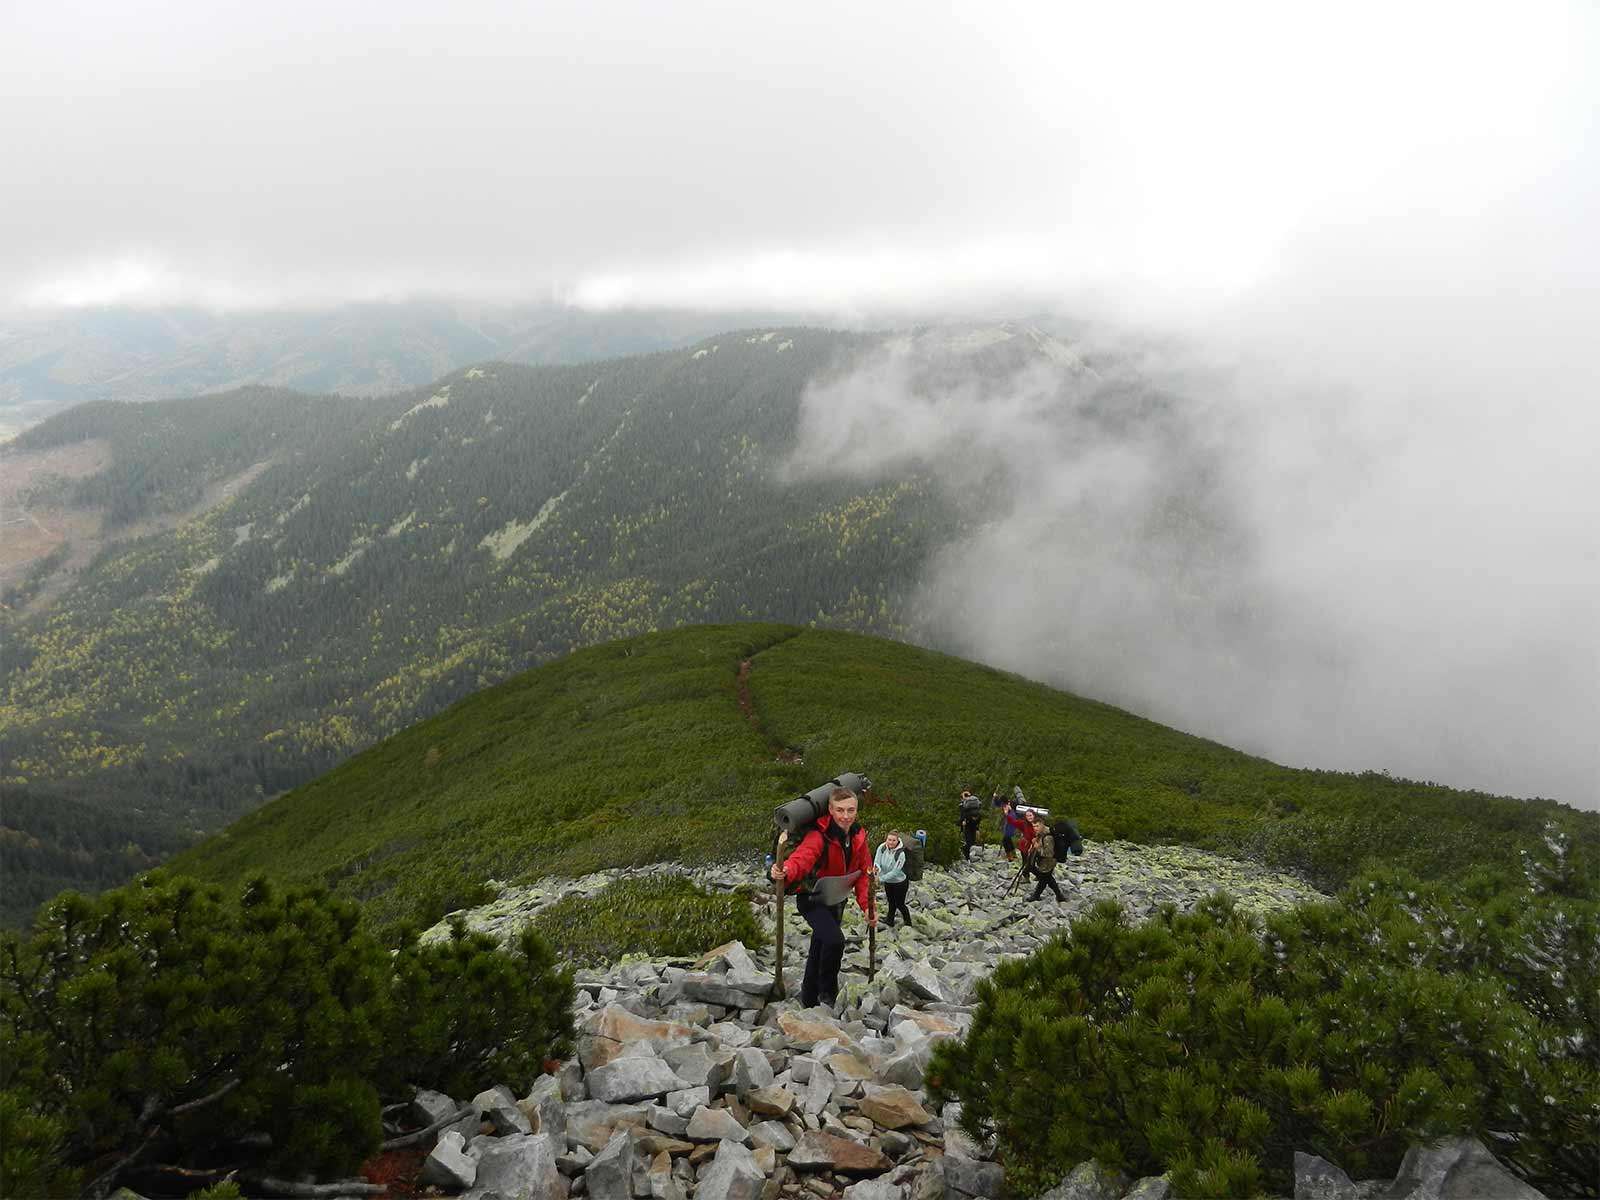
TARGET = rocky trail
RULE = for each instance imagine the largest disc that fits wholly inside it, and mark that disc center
(693, 1079)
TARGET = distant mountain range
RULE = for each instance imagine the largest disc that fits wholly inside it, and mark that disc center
(52, 361)
(211, 600)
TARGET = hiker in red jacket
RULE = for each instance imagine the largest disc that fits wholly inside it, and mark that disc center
(835, 848)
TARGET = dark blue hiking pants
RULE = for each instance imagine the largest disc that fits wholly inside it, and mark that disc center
(825, 955)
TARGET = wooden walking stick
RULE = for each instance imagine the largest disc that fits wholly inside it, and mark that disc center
(872, 922)
(777, 884)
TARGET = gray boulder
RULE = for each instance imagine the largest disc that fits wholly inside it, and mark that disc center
(716, 1124)
(732, 1175)
(883, 1187)
(1089, 1181)
(448, 1165)
(967, 1177)
(428, 1107)
(1318, 1179)
(519, 1167)
(772, 1133)
(625, 1079)
(544, 1108)
(1458, 1168)
(684, 1101)
(751, 1070)
(1151, 1187)
(610, 1175)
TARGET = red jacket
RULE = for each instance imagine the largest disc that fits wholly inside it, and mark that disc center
(799, 863)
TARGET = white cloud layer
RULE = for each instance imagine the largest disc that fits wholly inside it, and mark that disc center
(1374, 221)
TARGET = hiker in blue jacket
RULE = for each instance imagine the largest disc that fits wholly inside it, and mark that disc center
(890, 865)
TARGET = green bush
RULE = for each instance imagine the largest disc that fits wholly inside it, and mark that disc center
(651, 914)
(456, 1001)
(1210, 1047)
(166, 1005)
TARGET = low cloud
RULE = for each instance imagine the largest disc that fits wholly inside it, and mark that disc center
(1323, 571)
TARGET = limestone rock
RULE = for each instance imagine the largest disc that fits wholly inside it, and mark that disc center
(519, 1167)
(716, 1124)
(732, 1175)
(1151, 1187)
(625, 1079)
(894, 1108)
(1089, 1181)
(544, 1107)
(1318, 1179)
(967, 1177)
(448, 1165)
(610, 1175)
(807, 1029)
(686, 1100)
(428, 1107)
(824, 1151)
(772, 1133)
(751, 1070)
(1458, 1168)
(770, 1101)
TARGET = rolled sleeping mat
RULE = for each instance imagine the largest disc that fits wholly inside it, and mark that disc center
(801, 811)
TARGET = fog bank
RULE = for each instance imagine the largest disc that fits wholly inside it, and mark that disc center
(1327, 570)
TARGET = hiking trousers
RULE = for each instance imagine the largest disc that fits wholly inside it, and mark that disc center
(969, 835)
(1047, 879)
(825, 955)
(897, 899)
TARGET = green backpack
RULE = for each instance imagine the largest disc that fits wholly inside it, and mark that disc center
(913, 858)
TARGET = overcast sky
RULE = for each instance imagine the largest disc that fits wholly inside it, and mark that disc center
(831, 155)
(1377, 220)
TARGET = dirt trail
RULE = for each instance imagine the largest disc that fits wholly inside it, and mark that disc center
(747, 705)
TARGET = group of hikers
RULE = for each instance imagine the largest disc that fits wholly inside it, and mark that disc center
(833, 858)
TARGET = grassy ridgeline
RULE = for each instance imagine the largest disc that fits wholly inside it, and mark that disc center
(637, 751)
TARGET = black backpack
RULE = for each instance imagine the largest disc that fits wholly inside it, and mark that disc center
(1067, 838)
(971, 807)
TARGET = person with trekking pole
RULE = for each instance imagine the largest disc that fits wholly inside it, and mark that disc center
(830, 861)
(969, 811)
(890, 866)
(1012, 827)
(1041, 859)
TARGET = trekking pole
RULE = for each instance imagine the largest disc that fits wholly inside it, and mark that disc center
(1016, 879)
(777, 886)
(872, 922)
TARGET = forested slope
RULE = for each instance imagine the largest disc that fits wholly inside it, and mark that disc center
(388, 556)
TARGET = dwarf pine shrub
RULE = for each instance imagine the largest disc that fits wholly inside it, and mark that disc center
(651, 914)
(169, 1006)
(1212, 1047)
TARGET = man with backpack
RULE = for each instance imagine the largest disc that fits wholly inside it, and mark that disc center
(968, 813)
(1041, 858)
(831, 860)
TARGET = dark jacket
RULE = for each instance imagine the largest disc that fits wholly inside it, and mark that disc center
(823, 848)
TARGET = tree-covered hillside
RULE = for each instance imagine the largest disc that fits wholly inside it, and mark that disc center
(383, 558)
(667, 746)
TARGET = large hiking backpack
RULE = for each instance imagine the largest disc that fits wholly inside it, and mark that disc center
(971, 807)
(913, 849)
(1067, 838)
